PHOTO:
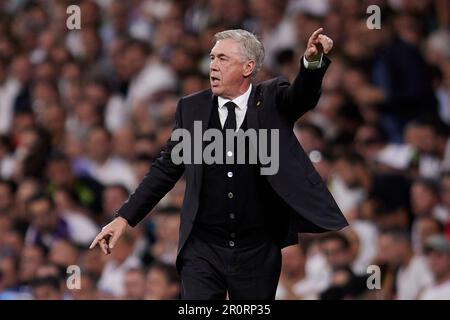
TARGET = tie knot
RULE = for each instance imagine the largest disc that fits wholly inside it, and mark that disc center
(230, 106)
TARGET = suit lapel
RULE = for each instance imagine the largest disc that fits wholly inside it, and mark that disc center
(202, 113)
(203, 110)
(253, 104)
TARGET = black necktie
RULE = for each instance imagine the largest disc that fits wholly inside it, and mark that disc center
(230, 122)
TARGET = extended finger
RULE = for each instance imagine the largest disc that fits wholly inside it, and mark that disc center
(96, 240)
(315, 34)
(113, 240)
(102, 235)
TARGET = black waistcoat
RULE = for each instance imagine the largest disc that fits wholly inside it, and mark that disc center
(235, 200)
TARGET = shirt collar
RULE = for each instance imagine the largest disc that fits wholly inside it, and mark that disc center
(241, 101)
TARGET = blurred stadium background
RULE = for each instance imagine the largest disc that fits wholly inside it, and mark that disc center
(84, 112)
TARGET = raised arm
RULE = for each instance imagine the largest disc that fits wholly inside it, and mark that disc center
(303, 94)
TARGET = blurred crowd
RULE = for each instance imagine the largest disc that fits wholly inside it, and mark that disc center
(83, 113)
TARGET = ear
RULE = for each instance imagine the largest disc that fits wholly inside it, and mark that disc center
(248, 67)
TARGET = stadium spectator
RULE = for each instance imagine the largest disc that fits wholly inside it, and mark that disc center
(437, 249)
(412, 274)
(162, 282)
(84, 113)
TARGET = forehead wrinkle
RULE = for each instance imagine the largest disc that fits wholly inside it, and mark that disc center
(232, 53)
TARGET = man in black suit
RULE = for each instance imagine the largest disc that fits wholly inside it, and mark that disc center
(234, 220)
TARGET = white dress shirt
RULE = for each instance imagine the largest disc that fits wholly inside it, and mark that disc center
(241, 107)
(242, 101)
(313, 64)
(413, 279)
(437, 292)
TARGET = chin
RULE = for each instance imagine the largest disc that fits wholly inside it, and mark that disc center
(216, 91)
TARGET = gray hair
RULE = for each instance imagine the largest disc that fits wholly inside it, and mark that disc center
(251, 47)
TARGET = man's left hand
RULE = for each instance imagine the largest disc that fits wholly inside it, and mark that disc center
(318, 44)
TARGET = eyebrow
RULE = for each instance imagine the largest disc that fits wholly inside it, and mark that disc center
(220, 55)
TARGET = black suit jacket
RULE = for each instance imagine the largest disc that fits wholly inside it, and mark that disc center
(273, 104)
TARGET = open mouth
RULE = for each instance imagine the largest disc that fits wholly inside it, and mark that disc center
(215, 81)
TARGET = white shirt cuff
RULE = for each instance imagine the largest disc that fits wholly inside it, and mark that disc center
(313, 64)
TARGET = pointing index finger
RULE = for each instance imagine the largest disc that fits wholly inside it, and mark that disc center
(316, 33)
(96, 240)
(94, 243)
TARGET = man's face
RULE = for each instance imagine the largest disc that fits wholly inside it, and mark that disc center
(42, 215)
(121, 251)
(439, 263)
(347, 172)
(98, 145)
(157, 286)
(62, 253)
(134, 284)
(391, 251)
(113, 198)
(60, 173)
(427, 227)
(46, 292)
(422, 137)
(135, 59)
(8, 273)
(336, 255)
(31, 259)
(93, 261)
(367, 142)
(422, 199)
(169, 226)
(227, 69)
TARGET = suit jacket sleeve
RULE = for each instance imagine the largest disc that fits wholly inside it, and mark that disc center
(160, 179)
(303, 94)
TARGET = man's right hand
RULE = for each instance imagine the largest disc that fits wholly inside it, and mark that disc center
(109, 235)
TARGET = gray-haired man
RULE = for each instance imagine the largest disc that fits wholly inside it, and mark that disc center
(234, 221)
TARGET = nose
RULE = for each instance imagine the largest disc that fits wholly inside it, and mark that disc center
(213, 66)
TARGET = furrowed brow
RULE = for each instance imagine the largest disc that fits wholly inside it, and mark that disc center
(219, 55)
